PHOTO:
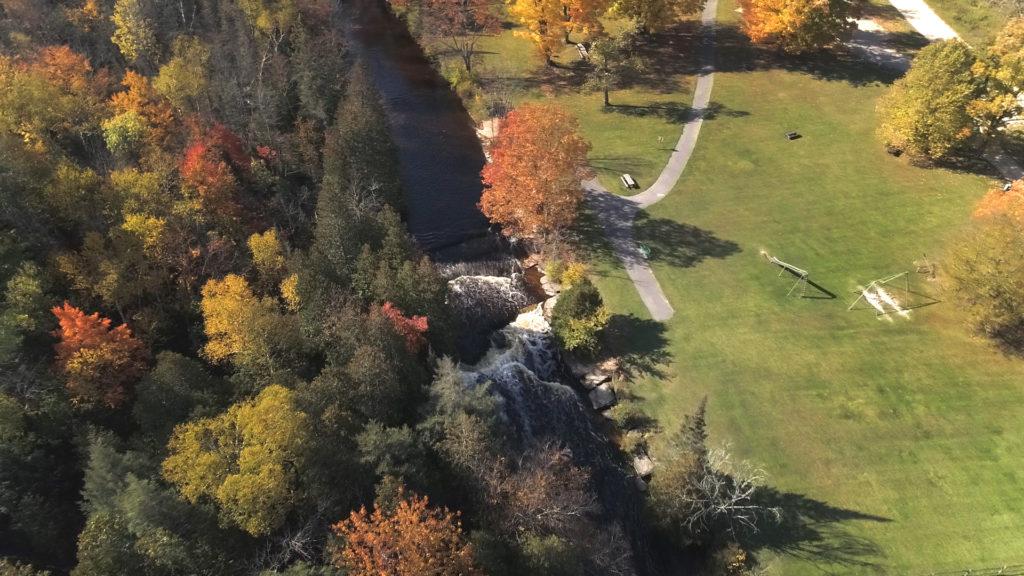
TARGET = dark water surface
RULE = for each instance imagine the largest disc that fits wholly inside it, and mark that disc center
(439, 152)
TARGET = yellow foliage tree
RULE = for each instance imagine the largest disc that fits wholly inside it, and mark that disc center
(268, 256)
(241, 327)
(247, 460)
(657, 15)
(543, 24)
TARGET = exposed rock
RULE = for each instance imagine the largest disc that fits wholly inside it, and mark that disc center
(609, 365)
(595, 378)
(643, 465)
(602, 397)
(550, 287)
(549, 306)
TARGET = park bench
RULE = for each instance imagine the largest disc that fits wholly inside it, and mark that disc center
(628, 181)
(584, 53)
(792, 135)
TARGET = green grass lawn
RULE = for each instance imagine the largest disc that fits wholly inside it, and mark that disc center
(977, 21)
(899, 445)
(625, 136)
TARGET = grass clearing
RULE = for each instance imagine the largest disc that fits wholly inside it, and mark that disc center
(977, 21)
(635, 135)
(899, 446)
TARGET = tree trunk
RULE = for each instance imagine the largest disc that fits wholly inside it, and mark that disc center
(607, 102)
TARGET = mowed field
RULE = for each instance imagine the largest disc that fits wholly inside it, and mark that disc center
(895, 447)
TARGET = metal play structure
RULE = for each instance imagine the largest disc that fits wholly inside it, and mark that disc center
(801, 274)
(879, 295)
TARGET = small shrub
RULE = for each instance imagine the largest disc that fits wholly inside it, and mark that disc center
(554, 269)
(573, 274)
(579, 318)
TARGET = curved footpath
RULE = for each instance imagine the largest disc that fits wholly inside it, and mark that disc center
(616, 213)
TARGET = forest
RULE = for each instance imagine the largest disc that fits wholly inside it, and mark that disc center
(221, 351)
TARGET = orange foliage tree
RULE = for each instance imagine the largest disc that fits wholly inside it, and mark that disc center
(413, 540)
(140, 97)
(532, 184)
(410, 328)
(799, 25)
(1006, 203)
(99, 363)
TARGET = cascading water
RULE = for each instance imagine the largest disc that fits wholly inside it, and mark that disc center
(527, 376)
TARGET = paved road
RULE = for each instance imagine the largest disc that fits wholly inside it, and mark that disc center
(617, 213)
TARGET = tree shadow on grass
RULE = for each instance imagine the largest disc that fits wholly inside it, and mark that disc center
(674, 112)
(680, 245)
(640, 345)
(814, 532)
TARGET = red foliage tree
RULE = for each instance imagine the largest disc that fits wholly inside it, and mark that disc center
(411, 329)
(209, 166)
(99, 363)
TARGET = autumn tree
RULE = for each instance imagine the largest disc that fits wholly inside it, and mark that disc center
(141, 103)
(925, 113)
(411, 540)
(985, 269)
(657, 15)
(134, 32)
(51, 99)
(100, 364)
(247, 460)
(183, 78)
(248, 330)
(208, 178)
(1000, 69)
(799, 26)
(543, 23)
(612, 60)
(532, 184)
(268, 257)
(410, 328)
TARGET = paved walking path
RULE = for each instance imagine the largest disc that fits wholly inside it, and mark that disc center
(617, 213)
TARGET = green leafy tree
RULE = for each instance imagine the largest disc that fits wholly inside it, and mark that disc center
(177, 389)
(358, 152)
(579, 317)
(613, 62)
(925, 113)
(986, 273)
(124, 133)
(183, 79)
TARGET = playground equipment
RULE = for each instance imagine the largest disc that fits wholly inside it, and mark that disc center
(800, 273)
(878, 294)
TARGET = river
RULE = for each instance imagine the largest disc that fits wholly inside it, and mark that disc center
(440, 155)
